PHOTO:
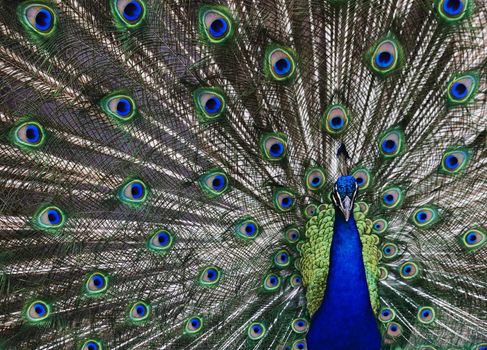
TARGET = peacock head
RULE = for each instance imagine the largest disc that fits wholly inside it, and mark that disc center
(344, 194)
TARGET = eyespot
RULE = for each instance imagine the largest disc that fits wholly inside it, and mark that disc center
(379, 226)
(129, 13)
(392, 197)
(283, 200)
(281, 258)
(314, 178)
(272, 282)
(462, 88)
(216, 24)
(455, 161)
(300, 344)
(451, 11)
(409, 270)
(394, 329)
(247, 228)
(279, 63)
(120, 107)
(473, 239)
(385, 56)
(482, 346)
(134, 192)
(335, 120)
(386, 315)
(38, 18)
(256, 331)
(364, 208)
(139, 312)
(193, 325)
(96, 284)
(92, 344)
(50, 218)
(210, 104)
(425, 216)
(389, 250)
(291, 234)
(160, 241)
(362, 178)
(300, 325)
(37, 311)
(273, 146)
(295, 280)
(383, 273)
(210, 276)
(214, 182)
(310, 210)
(391, 143)
(426, 315)
(29, 135)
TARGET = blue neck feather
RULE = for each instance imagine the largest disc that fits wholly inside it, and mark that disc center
(345, 319)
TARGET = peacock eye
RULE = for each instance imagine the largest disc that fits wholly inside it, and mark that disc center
(39, 18)
(50, 218)
(295, 280)
(383, 273)
(394, 329)
(139, 312)
(272, 282)
(385, 56)
(462, 88)
(210, 276)
(425, 216)
(314, 178)
(193, 325)
(214, 183)
(129, 13)
(300, 325)
(283, 200)
(455, 161)
(210, 104)
(91, 344)
(389, 250)
(273, 146)
(362, 178)
(120, 107)
(473, 239)
(96, 284)
(160, 241)
(29, 135)
(409, 270)
(392, 143)
(386, 315)
(300, 344)
(133, 192)
(392, 197)
(247, 228)
(37, 311)
(364, 207)
(426, 314)
(310, 210)
(291, 234)
(451, 11)
(281, 258)
(216, 24)
(335, 120)
(256, 331)
(379, 226)
(279, 63)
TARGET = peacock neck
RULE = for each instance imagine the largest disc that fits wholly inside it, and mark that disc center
(345, 319)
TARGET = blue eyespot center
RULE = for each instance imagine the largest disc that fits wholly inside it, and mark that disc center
(297, 280)
(163, 238)
(257, 329)
(276, 150)
(389, 198)
(407, 269)
(43, 20)
(452, 7)
(195, 323)
(98, 281)
(211, 274)
(250, 229)
(32, 133)
(140, 310)
(53, 216)
(132, 11)
(459, 90)
(300, 346)
(384, 59)
(336, 122)
(316, 181)
(421, 216)
(218, 183)
(425, 313)
(218, 27)
(451, 162)
(124, 107)
(137, 190)
(283, 257)
(386, 313)
(360, 181)
(91, 346)
(294, 236)
(376, 226)
(471, 237)
(282, 66)
(40, 309)
(300, 324)
(286, 202)
(213, 105)
(389, 146)
(393, 328)
(273, 280)
(387, 250)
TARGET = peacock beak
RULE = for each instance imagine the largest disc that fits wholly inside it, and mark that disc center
(346, 207)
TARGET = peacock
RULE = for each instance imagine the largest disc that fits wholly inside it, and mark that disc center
(243, 174)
